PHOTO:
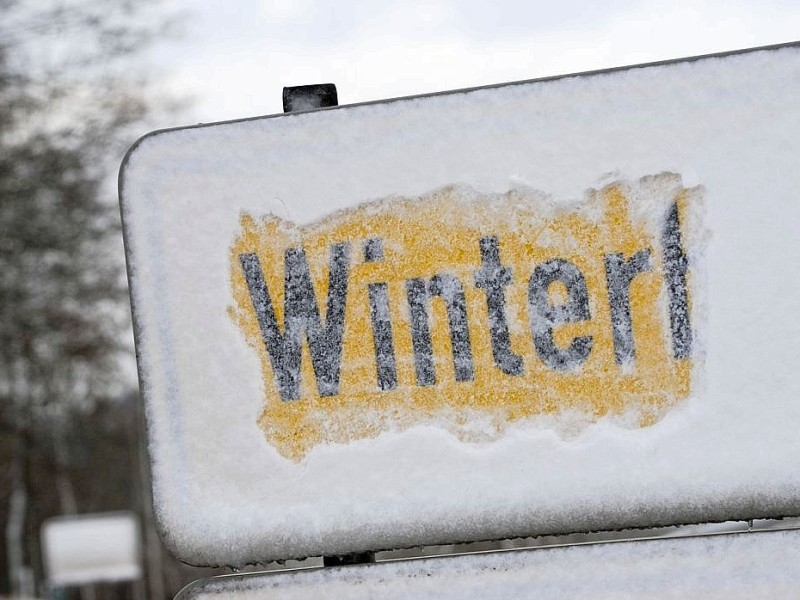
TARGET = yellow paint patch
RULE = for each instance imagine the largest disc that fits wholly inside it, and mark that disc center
(440, 233)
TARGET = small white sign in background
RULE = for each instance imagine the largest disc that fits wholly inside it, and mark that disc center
(92, 548)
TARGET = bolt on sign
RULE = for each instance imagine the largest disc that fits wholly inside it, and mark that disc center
(542, 307)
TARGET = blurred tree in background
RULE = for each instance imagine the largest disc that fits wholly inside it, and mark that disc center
(71, 101)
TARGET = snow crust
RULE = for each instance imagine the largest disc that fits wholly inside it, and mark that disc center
(744, 565)
(730, 451)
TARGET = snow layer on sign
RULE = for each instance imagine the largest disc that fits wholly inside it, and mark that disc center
(727, 448)
(726, 567)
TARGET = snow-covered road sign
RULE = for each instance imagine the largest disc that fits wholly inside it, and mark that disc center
(722, 567)
(541, 307)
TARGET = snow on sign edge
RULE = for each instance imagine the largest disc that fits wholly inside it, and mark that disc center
(167, 493)
(734, 565)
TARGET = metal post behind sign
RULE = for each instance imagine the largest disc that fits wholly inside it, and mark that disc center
(309, 97)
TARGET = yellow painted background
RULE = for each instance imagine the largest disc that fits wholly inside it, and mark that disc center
(440, 233)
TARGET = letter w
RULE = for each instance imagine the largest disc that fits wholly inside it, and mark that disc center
(301, 315)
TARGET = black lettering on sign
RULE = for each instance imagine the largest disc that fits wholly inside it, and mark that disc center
(373, 250)
(386, 366)
(493, 277)
(417, 294)
(620, 274)
(675, 266)
(301, 315)
(448, 273)
(544, 316)
(449, 288)
(380, 319)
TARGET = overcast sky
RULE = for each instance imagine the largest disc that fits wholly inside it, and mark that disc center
(235, 57)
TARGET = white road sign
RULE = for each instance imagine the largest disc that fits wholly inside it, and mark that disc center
(542, 307)
(92, 548)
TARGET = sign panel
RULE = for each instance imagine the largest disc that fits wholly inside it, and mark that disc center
(80, 550)
(543, 307)
(743, 565)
